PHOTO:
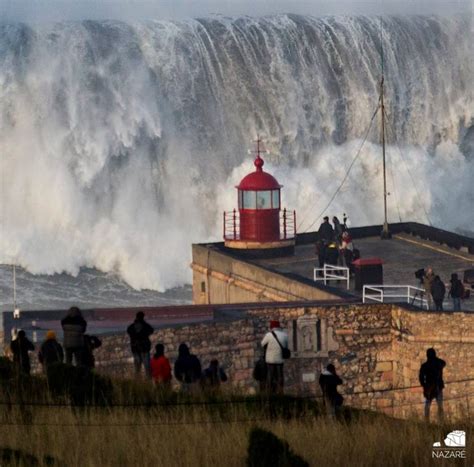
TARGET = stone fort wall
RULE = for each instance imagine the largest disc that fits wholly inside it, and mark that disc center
(377, 350)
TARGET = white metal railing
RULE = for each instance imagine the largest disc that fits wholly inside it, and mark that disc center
(380, 293)
(330, 272)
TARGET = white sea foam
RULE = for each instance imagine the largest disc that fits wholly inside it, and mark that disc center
(121, 143)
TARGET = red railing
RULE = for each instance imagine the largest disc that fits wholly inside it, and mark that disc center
(231, 225)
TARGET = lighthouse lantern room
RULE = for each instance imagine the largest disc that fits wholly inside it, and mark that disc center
(260, 227)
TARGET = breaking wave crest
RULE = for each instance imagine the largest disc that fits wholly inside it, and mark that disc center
(121, 143)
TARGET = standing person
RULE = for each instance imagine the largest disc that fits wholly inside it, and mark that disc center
(51, 351)
(456, 291)
(275, 342)
(214, 375)
(90, 344)
(187, 368)
(347, 248)
(20, 348)
(325, 236)
(260, 374)
(140, 332)
(329, 381)
(428, 279)
(337, 230)
(438, 291)
(74, 327)
(160, 368)
(431, 379)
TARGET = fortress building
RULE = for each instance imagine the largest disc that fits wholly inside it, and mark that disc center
(376, 334)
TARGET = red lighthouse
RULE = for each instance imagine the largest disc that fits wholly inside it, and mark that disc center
(260, 227)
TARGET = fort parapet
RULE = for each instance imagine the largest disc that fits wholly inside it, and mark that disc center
(377, 348)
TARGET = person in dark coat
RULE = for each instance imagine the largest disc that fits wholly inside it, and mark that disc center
(431, 379)
(438, 291)
(456, 291)
(214, 375)
(51, 351)
(338, 229)
(90, 344)
(20, 348)
(140, 332)
(74, 326)
(329, 381)
(325, 237)
(187, 368)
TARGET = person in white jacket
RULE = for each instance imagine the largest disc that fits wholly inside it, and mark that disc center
(273, 343)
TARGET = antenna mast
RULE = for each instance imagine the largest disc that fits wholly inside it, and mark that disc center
(385, 231)
(14, 287)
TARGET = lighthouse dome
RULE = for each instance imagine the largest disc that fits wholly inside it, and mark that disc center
(259, 180)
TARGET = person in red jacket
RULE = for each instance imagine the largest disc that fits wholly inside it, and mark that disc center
(160, 367)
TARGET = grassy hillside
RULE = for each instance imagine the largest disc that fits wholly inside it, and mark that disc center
(134, 425)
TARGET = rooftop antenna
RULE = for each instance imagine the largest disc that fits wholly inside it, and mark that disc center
(16, 310)
(385, 231)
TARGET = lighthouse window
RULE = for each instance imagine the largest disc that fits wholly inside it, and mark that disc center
(249, 201)
(264, 199)
(276, 199)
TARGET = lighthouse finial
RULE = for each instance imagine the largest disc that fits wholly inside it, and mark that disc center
(258, 160)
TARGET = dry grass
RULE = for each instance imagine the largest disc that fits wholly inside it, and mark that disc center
(213, 434)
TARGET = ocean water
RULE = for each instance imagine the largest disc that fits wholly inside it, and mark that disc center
(121, 143)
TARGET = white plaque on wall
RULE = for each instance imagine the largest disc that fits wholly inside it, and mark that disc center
(309, 377)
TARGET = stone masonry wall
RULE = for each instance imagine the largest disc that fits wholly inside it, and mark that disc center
(452, 336)
(377, 350)
(357, 335)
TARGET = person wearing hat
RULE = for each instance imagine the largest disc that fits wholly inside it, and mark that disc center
(274, 344)
(50, 351)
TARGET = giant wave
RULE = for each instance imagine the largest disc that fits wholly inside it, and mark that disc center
(121, 143)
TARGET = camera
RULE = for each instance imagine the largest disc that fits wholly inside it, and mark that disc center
(420, 274)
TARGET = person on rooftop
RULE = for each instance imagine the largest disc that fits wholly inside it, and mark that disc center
(438, 291)
(428, 279)
(431, 379)
(456, 292)
(325, 236)
(346, 251)
(338, 229)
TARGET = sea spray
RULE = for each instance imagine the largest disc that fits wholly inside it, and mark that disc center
(121, 143)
